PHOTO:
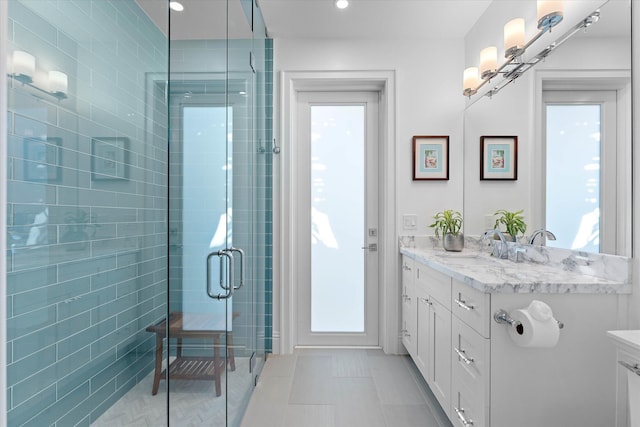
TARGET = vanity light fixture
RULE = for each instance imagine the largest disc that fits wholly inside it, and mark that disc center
(488, 62)
(342, 4)
(514, 38)
(550, 14)
(24, 70)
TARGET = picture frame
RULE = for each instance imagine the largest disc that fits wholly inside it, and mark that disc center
(43, 159)
(498, 158)
(109, 159)
(431, 158)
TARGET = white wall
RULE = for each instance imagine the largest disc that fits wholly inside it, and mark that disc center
(428, 101)
(634, 303)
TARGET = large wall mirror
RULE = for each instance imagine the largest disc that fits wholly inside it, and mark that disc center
(571, 116)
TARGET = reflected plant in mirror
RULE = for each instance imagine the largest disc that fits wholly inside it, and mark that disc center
(513, 223)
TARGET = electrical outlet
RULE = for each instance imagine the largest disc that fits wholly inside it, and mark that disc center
(489, 221)
(410, 222)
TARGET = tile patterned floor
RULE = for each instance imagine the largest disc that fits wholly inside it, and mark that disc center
(192, 403)
(312, 387)
(342, 388)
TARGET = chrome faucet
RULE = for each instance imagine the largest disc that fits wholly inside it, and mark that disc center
(501, 253)
(542, 232)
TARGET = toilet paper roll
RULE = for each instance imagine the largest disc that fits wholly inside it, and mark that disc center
(633, 383)
(532, 332)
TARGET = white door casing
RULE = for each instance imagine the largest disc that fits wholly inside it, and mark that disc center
(285, 318)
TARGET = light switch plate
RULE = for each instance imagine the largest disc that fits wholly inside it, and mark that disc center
(489, 221)
(409, 222)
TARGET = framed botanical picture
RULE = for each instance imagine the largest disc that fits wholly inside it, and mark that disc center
(42, 159)
(109, 158)
(431, 158)
(498, 158)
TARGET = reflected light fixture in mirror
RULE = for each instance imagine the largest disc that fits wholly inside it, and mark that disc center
(342, 4)
(24, 66)
(470, 81)
(488, 62)
(24, 71)
(58, 83)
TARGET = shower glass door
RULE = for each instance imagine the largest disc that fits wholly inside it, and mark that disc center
(216, 255)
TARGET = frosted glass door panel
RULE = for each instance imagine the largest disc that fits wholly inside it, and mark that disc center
(337, 218)
(573, 162)
(206, 218)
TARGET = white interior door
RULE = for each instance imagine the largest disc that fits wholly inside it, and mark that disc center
(338, 231)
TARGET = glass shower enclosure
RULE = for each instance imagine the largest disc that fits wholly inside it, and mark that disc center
(138, 184)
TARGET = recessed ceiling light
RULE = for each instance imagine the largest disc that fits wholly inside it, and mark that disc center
(177, 6)
(342, 4)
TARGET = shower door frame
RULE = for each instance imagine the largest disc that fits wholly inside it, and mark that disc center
(4, 18)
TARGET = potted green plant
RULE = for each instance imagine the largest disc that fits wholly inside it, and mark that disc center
(513, 223)
(449, 223)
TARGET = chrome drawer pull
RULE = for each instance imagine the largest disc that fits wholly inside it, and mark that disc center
(461, 417)
(463, 304)
(426, 301)
(635, 369)
(463, 355)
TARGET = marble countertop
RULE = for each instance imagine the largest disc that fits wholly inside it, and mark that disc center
(481, 271)
(630, 337)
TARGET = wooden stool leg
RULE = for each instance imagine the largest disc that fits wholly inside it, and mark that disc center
(218, 364)
(156, 376)
(232, 359)
(179, 351)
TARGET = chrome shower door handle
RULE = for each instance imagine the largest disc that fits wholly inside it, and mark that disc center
(241, 252)
(229, 286)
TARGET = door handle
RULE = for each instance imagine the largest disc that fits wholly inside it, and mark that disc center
(241, 252)
(222, 254)
(371, 247)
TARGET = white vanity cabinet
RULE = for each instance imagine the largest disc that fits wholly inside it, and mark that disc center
(482, 378)
(470, 367)
(409, 311)
(433, 344)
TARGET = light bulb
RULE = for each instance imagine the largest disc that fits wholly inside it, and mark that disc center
(470, 81)
(514, 38)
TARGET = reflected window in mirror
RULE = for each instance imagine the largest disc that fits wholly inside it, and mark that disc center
(580, 130)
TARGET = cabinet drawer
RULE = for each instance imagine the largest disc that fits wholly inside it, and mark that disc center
(467, 410)
(472, 307)
(470, 357)
(437, 285)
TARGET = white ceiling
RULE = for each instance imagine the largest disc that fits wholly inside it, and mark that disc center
(416, 19)
(420, 19)
(368, 19)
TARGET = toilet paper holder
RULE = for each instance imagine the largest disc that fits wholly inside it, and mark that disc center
(501, 316)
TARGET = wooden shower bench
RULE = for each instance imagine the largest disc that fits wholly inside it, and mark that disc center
(191, 367)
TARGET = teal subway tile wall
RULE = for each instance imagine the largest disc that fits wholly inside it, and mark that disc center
(87, 211)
